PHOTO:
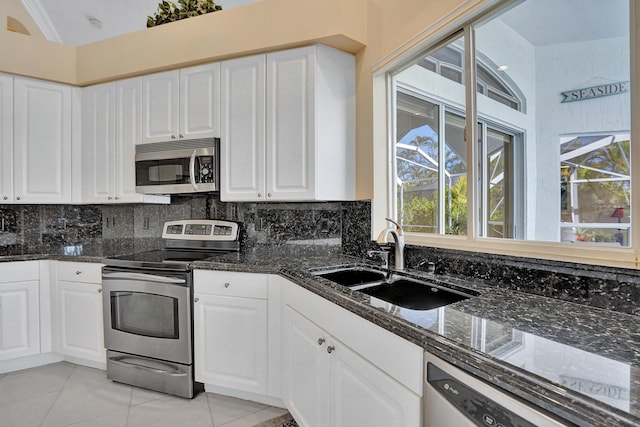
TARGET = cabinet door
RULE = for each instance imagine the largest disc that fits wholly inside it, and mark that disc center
(6, 139)
(42, 142)
(361, 394)
(231, 342)
(80, 323)
(200, 101)
(98, 155)
(243, 129)
(19, 319)
(291, 124)
(304, 370)
(160, 106)
(128, 130)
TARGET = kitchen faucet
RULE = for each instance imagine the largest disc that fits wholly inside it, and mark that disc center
(398, 237)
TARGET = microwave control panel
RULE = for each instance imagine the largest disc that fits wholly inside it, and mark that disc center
(205, 169)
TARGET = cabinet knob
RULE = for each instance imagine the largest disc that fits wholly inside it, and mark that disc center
(173, 137)
(330, 349)
(6, 198)
(109, 197)
(99, 291)
(181, 136)
(196, 299)
(117, 198)
(259, 194)
(226, 285)
(321, 341)
(18, 198)
(78, 273)
(268, 194)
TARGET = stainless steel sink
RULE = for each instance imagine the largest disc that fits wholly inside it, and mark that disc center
(394, 288)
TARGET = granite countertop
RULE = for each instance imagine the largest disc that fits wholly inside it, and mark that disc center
(578, 362)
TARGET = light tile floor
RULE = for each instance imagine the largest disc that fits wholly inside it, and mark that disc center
(63, 394)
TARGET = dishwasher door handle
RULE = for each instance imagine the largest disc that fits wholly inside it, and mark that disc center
(143, 277)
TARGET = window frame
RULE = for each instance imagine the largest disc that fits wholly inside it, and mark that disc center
(383, 204)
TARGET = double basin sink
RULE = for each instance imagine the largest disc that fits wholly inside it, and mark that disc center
(392, 287)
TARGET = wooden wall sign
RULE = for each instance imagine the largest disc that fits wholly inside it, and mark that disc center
(592, 92)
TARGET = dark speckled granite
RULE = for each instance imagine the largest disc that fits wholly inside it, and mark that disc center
(580, 363)
(609, 288)
(97, 230)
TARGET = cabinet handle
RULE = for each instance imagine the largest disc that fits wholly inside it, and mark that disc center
(196, 299)
(330, 349)
(78, 273)
(321, 341)
(226, 285)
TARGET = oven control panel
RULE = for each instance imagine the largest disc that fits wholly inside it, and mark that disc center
(201, 229)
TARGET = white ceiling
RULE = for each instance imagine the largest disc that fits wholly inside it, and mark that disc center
(67, 21)
(545, 22)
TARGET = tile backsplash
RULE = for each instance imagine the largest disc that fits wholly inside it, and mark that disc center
(105, 230)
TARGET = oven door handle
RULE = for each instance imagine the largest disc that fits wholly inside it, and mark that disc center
(192, 171)
(172, 371)
(143, 277)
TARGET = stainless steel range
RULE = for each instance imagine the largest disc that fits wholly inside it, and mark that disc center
(148, 306)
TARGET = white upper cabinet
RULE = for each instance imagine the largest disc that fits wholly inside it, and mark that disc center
(6, 138)
(288, 126)
(111, 127)
(98, 154)
(181, 104)
(42, 142)
(242, 157)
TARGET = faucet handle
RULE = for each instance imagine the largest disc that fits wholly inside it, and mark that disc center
(398, 226)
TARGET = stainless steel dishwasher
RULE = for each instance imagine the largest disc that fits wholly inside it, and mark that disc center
(455, 398)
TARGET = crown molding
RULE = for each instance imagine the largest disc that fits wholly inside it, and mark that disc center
(42, 19)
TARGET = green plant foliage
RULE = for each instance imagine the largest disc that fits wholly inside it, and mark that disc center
(169, 11)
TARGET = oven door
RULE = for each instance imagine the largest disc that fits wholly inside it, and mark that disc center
(148, 314)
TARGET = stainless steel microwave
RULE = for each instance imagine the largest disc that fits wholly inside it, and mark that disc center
(178, 167)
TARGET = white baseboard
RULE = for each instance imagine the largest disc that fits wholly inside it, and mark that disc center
(29, 362)
(245, 395)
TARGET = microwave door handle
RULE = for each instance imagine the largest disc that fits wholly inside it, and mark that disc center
(192, 171)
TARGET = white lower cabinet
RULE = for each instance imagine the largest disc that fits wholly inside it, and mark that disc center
(19, 310)
(79, 326)
(328, 382)
(231, 330)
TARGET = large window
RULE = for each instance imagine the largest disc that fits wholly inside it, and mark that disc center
(535, 143)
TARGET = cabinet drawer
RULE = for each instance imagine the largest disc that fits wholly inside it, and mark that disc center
(19, 271)
(86, 272)
(247, 285)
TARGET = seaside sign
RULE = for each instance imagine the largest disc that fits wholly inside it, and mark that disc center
(592, 92)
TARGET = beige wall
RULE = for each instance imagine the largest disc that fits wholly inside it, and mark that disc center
(384, 27)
